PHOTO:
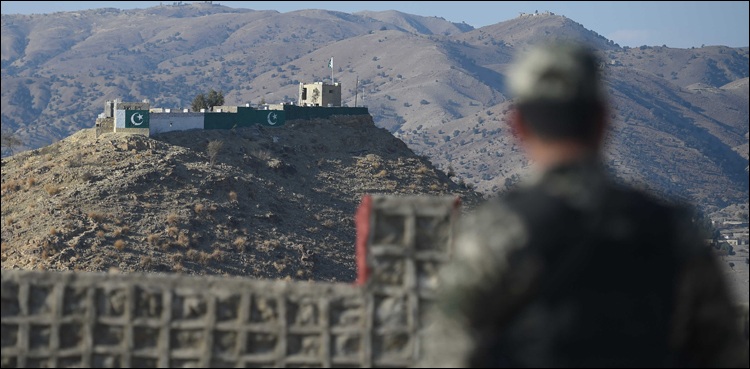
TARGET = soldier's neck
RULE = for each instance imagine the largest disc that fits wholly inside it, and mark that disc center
(547, 155)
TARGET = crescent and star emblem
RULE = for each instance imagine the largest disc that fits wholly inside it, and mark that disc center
(136, 119)
(272, 118)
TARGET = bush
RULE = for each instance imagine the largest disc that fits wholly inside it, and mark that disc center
(153, 239)
(239, 243)
(172, 218)
(52, 189)
(213, 150)
(96, 216)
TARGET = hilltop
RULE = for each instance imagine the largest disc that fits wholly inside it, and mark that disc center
(277, 203)
(680, 116)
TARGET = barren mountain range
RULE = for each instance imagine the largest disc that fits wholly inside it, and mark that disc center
(680, 116)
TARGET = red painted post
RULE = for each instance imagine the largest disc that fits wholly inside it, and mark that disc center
(362, 220)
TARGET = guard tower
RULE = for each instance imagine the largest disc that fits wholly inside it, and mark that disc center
(319, 94)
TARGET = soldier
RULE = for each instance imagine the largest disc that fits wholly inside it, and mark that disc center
(572, 269)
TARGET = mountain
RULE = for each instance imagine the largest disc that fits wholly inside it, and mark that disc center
(679, 117)
(278, 203)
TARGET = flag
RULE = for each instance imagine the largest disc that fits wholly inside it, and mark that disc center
(136, 118)
(330, 63)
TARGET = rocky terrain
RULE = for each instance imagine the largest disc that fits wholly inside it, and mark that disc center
(680, 116)
(276, 203)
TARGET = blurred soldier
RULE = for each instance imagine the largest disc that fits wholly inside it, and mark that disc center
(572, 269)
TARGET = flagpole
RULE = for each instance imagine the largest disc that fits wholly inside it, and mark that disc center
(356, 90)
(332, 81)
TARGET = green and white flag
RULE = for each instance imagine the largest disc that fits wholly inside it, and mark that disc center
(136, 118)
(330, 63)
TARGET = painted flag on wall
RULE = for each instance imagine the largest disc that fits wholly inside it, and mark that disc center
(136, 118)
(330, 63)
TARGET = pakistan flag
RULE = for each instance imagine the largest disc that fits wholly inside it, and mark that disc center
(136, 119)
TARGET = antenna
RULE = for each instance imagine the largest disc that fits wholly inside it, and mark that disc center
(356, 90)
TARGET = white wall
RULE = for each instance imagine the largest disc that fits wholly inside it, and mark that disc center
(119, 119)
(166, 122)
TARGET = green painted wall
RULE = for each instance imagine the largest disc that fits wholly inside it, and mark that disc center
(312, 112)
(245, 117)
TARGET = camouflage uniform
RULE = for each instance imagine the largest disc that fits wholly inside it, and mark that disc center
(575, 270)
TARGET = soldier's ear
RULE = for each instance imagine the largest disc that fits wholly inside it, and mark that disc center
(518, 125)
(602, 123)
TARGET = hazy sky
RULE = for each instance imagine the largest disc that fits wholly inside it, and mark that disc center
(628, 23)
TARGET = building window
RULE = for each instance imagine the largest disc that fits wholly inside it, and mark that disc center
(330, 91)
(304, 93)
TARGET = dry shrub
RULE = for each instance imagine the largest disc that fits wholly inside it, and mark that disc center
(10, 186)
(240, 243)
(100, 234)
(423, 169)
(198, 208)
(183, 240)
(146, 261)
(52, 189)
(279, 266)
(434, 187)
(53, 231)
(177, 258)
(217, 255)
(173, 231)
(233, 196)
(328, 223)
(271, 244)
(122, 230)
(152, 239)
(173, 218)
(204, 257)
(213, 150)
(381, 174)
(192, 255)
(9, 220)
(96, 216)
(31, 181)
(120, 244)
(177, 268)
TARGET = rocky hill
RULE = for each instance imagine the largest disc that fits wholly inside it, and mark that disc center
(276, 203)
(680, 116)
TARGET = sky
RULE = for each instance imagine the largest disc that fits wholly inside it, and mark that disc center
(680, 24)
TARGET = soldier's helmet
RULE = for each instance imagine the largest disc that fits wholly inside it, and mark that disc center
(562, 72)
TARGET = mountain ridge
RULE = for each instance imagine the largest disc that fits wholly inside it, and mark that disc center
(431, 89)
